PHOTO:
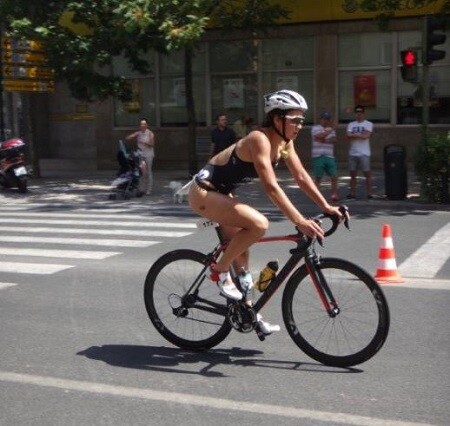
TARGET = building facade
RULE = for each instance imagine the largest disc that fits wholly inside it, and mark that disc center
(333, 53)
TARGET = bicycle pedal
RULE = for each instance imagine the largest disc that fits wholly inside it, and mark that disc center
(261, 335)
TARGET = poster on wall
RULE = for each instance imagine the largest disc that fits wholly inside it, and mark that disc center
(365, 90)
(179, 92)
(233, 93)
(289, 82)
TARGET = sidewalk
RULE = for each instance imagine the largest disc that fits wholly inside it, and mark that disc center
(94, 189)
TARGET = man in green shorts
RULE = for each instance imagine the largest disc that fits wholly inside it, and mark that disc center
(323, 139)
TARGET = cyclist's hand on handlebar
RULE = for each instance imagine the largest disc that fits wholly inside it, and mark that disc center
(339, 211)
(311, 228)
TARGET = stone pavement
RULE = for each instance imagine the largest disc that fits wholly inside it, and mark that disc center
(94, 190)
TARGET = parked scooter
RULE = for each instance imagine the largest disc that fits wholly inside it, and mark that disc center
(13, 172)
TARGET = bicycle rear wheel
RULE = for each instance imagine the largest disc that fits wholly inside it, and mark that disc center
(356, 333)
(191, 316)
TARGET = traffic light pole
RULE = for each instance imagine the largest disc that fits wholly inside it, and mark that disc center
(425, 85)
(2, 117)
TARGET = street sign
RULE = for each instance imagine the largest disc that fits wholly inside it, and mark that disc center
(28, 86)
(23, 66)
(16, 71)
(23, 57)
(9, 43)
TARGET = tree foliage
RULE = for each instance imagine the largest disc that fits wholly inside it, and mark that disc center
(122, 27)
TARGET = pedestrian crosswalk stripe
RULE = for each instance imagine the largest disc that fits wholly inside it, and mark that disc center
(32, 268)
(420, 264)
(69, 254)
(79, 241)
(141, 222)
(139, 233)
(6, 285)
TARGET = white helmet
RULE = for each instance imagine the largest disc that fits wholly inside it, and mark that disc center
(284, 99)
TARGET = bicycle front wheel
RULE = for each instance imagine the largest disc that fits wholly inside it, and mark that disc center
(359, 329)
(183, 305)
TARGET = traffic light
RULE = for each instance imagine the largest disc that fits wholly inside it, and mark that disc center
(433, 24)
(409, 65)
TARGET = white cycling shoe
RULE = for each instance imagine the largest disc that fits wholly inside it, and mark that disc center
(227, 287)
(265, 327)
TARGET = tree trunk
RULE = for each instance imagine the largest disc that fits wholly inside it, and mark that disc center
(192, 121)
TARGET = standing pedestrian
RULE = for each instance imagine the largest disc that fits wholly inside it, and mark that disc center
(222, 136)
(358, 133)
(323, 137)
(145, 141)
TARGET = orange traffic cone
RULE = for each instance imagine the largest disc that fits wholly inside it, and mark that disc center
(387, 266)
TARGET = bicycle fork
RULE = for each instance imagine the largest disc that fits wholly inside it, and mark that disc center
(312, 262)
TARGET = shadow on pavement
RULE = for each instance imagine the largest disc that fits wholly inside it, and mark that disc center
(172, 360)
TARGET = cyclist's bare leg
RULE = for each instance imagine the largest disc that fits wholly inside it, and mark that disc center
(229, 213)
(242, 261)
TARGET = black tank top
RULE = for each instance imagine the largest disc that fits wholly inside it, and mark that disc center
(229, 176)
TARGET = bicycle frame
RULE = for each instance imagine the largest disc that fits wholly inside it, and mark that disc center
(303, 250)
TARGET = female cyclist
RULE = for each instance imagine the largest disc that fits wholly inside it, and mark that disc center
(255, 155)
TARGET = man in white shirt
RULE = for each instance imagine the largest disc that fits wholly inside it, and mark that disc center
(323, 139)
(358, 133)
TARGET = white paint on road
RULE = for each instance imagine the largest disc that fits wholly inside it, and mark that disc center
(136, 232)
(78, 241)
(6, 285)
(426, 261)
(139, 222)
(32, 268)
(68, 254)
(199, 400)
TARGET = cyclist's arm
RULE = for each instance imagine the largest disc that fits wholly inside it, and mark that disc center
(260, 155)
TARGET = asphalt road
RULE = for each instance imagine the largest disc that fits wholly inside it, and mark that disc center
(78, 347)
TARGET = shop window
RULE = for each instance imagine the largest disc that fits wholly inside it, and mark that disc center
(364, 62)
(234, 89)
(289, 64)
(142, 102)
(172, 91)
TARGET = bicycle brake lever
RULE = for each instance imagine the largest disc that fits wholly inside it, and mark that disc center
(344, 210)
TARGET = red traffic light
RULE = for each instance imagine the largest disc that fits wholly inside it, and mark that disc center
(409, 57)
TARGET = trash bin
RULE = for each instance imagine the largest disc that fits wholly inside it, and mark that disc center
(395, 174)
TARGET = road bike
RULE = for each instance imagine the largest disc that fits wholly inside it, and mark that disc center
(333, 309)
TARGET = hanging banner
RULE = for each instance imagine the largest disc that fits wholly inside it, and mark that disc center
(233, 93)
(365, 90)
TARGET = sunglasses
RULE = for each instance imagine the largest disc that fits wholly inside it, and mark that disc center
(359, 110)
(295, 119)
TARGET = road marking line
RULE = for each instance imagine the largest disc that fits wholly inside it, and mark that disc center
(136, 223)
(425, 283)
(78, 241)
(198, 400)
(430, 257)
(69, 254)
(6, 285)
(32, 268)
(141, 233)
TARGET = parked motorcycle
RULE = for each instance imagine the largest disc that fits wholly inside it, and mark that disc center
(13, 172)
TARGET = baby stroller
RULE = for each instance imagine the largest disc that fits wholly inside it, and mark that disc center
(126, 184)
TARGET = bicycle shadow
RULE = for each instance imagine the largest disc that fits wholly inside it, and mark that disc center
(174, 360)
